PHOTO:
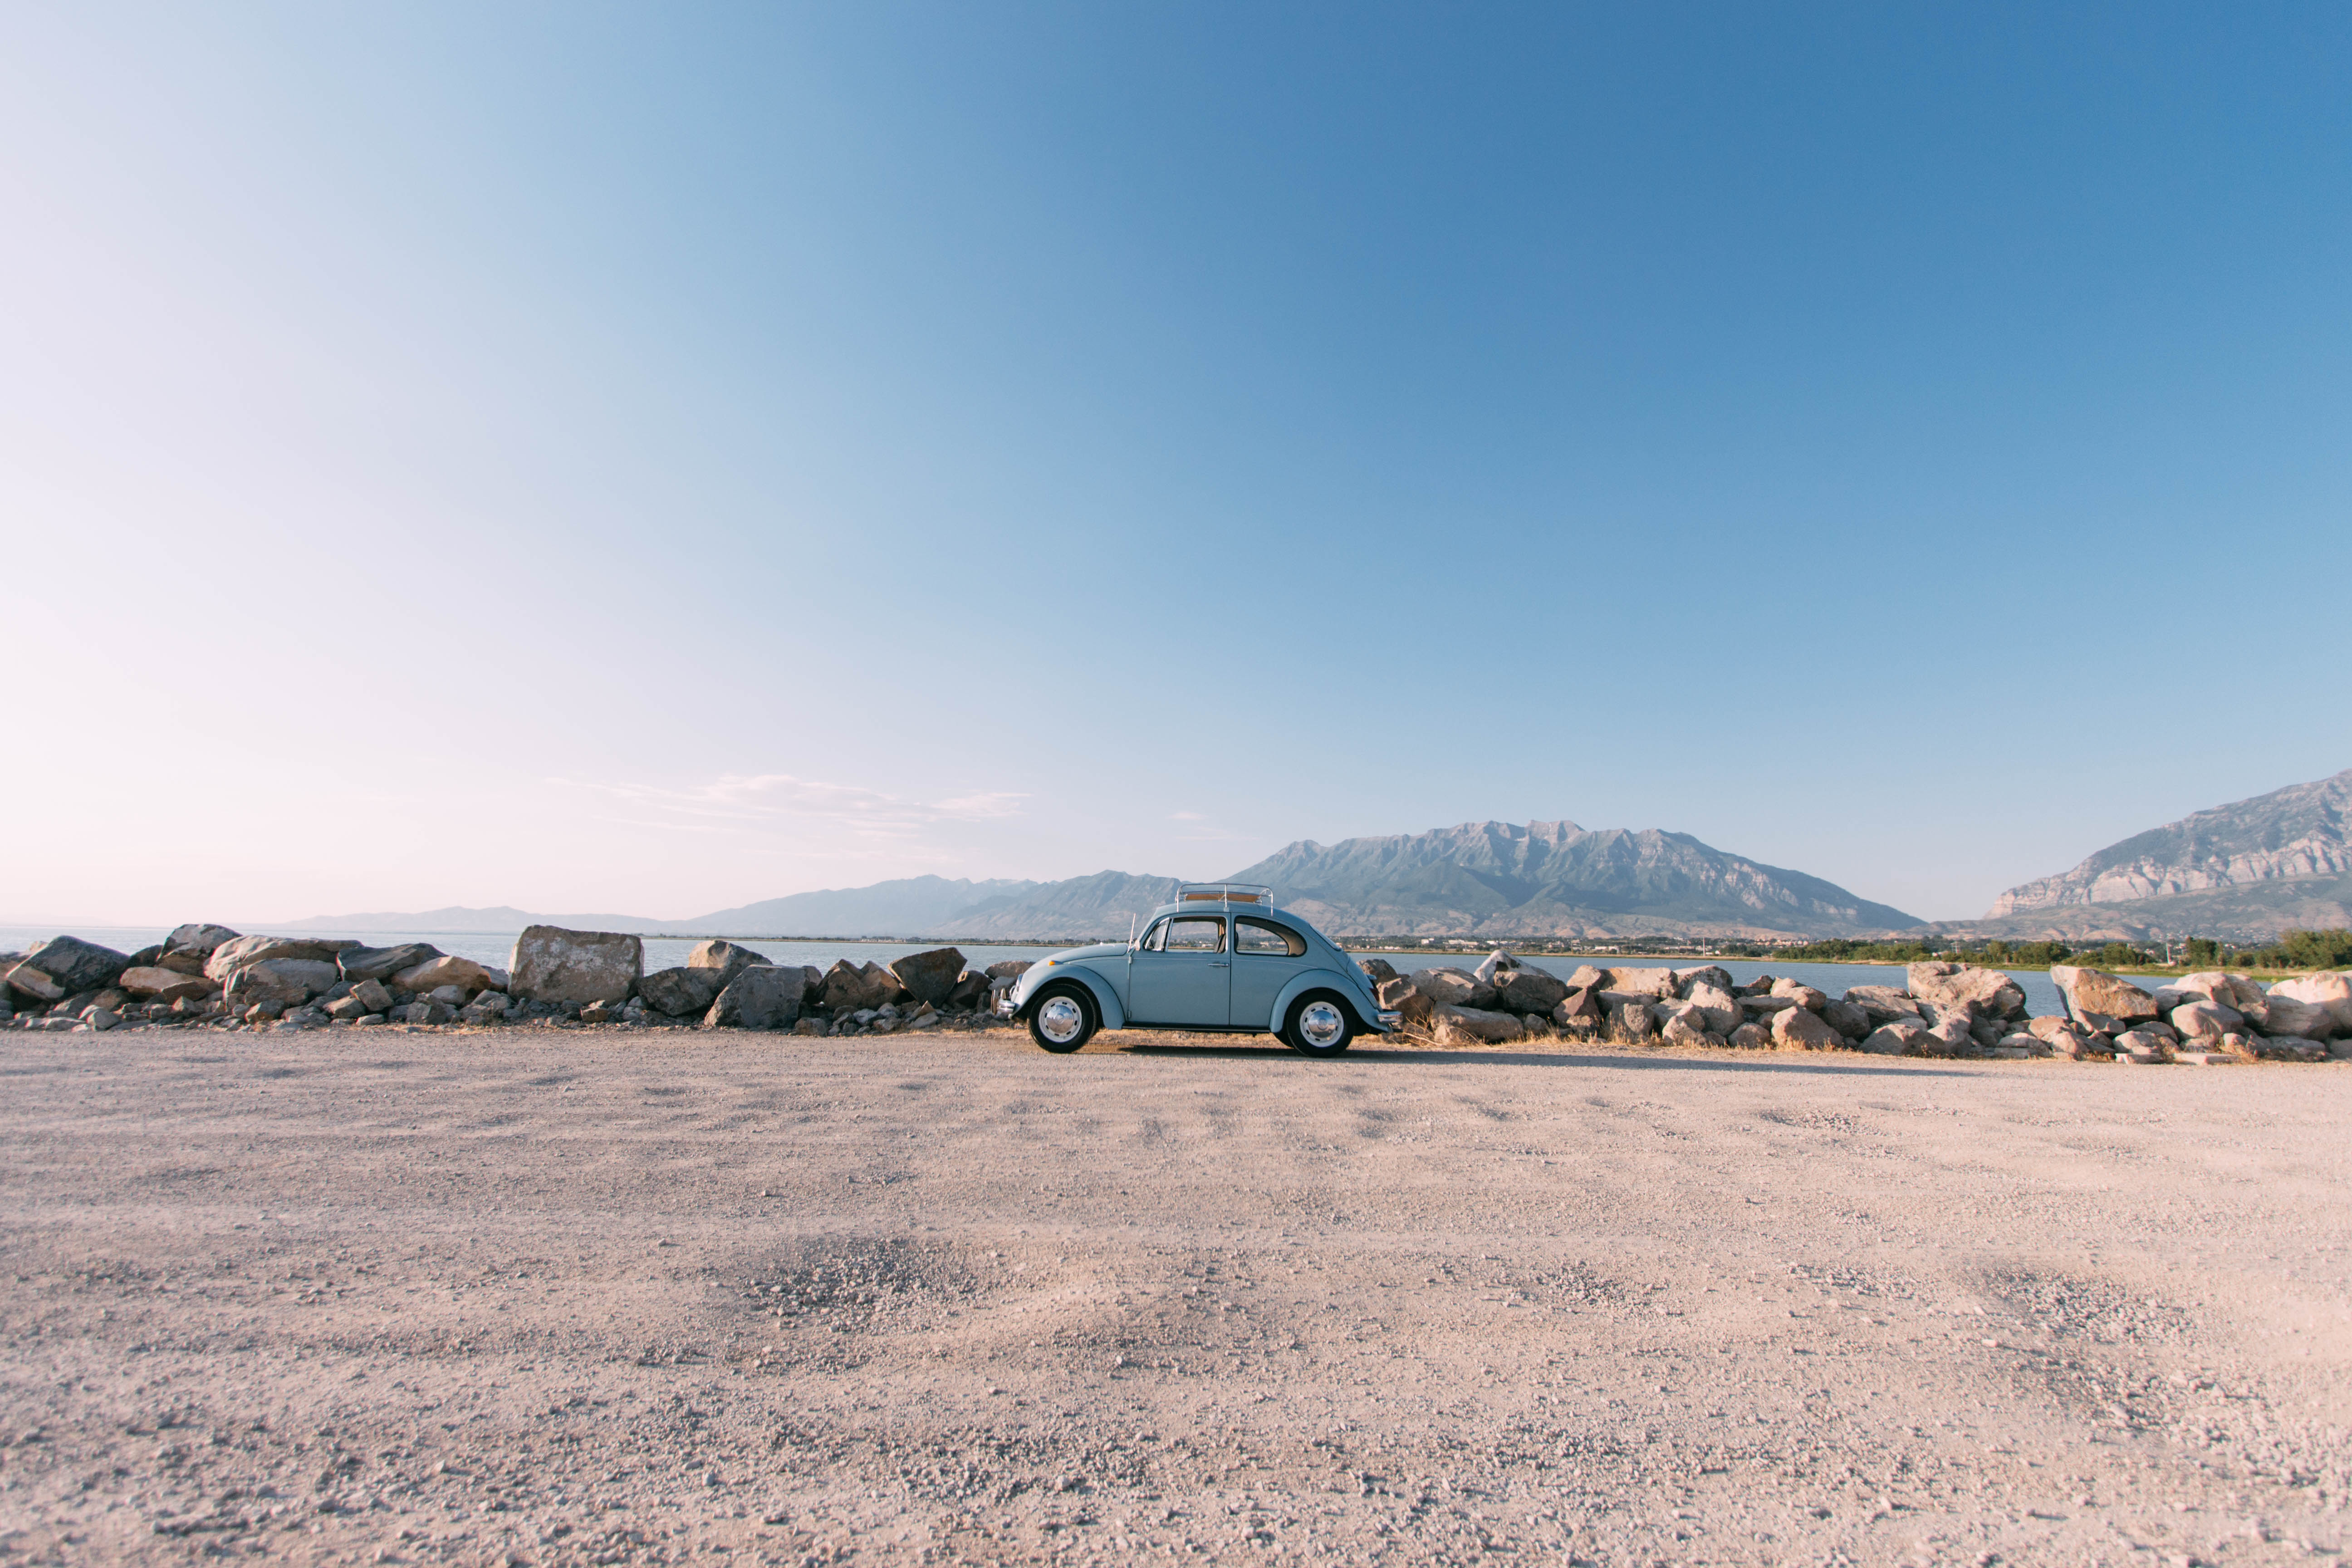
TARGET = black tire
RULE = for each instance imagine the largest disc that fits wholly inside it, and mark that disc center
(1319, 1024)
(1049, 1022)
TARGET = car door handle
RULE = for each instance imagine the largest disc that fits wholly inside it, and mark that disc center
(1219, 963)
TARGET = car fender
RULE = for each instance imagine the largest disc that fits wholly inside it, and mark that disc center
(1106, 1002)
(1319, 980)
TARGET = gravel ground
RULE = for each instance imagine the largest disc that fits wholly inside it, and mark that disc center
(550, 1296)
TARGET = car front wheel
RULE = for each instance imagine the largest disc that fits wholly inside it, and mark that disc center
(1063, 1019)
(1318, 1025)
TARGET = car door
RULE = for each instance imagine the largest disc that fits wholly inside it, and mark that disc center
(1182, 974)
(1267, 955)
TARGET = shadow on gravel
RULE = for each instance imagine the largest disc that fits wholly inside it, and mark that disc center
(1773, 1063)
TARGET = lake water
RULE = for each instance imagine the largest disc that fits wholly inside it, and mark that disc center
(663, 952)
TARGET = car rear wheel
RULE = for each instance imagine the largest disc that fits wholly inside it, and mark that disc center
(1318, 1025)
(1063, 1019)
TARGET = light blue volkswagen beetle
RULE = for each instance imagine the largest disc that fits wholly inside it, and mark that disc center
(1221, 959)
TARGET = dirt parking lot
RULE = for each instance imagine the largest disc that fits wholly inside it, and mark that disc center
(545, 1296)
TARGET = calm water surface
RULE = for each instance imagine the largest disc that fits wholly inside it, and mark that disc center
(663, 952)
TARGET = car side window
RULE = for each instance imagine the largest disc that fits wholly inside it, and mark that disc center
(1153, 938)
(1196, 933)
(1266, 938)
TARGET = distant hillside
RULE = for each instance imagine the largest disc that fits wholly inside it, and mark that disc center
(912, 906)
(1554, 878)
(1092, 907)
(496, 921)
(2241, 872)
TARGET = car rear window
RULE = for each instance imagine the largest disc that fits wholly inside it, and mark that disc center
(1266, 938)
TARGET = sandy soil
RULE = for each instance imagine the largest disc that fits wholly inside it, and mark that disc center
(539, 1295)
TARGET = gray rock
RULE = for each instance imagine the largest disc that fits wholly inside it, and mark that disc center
(1010, 968)
(1901, 1037)
(1716, 1001)
(970, 991)
(75, 965)
(436, 973)
(165, 984)
(428, 1012)
(2143, 1046)
(1847, 1019)
(1883, 1003)
(453, 995)
(930, 976)
(1452, 987)
(1633, 1020)
(1478, 1024)
(374, 994)
(1752, 1037)
(383, 962)
(231, 956)
(1587, 978)
(1801, 1029)
(764, 996)
(848, 989)
(190, 964)
(198, 938)
(288, 982)
(1993, 993)
(2239, 990)
(1808, 998)
(102, 1018)
(684, 991)
(1578, 1010)
(1686, 1026)
(1526, 990)
(1642, 982)
(489, 1007)
(2288, 1016)
(1377, 970)
(2206, 1020)
(2095, 994)
(1951, 1038)
(575, 967)
(349, 1007)
(727, 958)
(1713, 974)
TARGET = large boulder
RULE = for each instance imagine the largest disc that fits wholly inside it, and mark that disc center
(929, 976)
(573, 968)
(76, 964)
(2333, 992)
(1883, 1003)
(1010, 968)
(1950, 1037)
(1993, 994)
(1632, 1022)
(1642, 982)
(1377, 970)
(725, 957)
(1750, 1037)
(1451, 988)
(285, 981)
(1801, 1029)
(29, 983)
(1399, 996)
(849, 988)
(434, 972)
(231, 956)
(1478, 1024)
(764, 996)
(1580, 1010)
(686, 991)
(1712, 974)
(1847, 1019)
(360, 963)
(2095, 996)
(198, 937)
(1810, 998)
(1900, 1037)
(157, 985)
(1587, 978)
(1720, 1007)
(2207, 1020)
(2286, 1015)
(1525, 990)
(2239, 991)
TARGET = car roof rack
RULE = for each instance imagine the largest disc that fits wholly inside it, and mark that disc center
(1223, 893)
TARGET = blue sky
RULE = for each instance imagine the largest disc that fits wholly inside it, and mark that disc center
(655, 458)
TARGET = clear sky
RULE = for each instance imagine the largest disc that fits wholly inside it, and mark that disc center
(649, 458)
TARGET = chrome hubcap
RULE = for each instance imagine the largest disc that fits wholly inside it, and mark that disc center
(1060, 1019)
(1321, 1024)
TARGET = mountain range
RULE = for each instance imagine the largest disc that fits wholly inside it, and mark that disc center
(2241, 872)
(1481, 878)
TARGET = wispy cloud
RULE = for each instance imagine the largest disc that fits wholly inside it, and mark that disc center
(1186, 816)
(753, 801)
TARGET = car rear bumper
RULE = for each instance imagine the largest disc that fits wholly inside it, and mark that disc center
(1389, 1020)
